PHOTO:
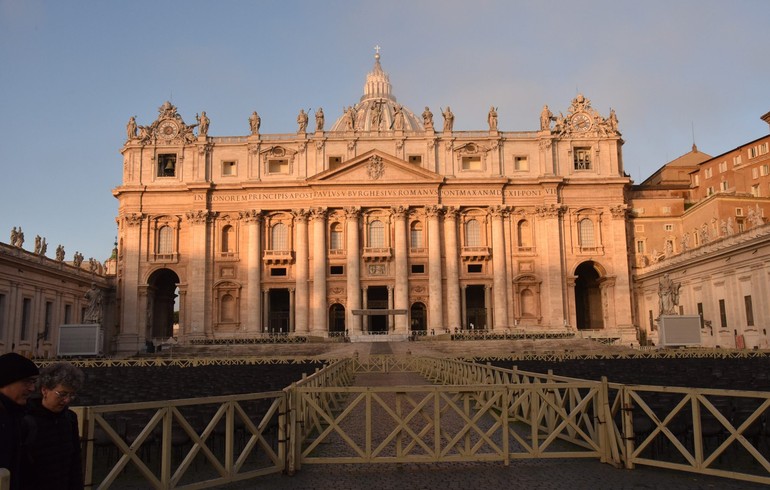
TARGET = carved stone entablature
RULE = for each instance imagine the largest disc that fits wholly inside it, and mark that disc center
(198, 217)
(336, 290)
(619, 211)
(134, 219)
(318, 213)
(399, 212)
(498, 211)
(168, 128)
(251, 215)
(549, 211)
(583, 121)
(278, 152)
(375, 167)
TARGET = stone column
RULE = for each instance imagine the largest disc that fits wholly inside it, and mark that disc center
(464, 311)
(199, 290)
(253, 220)
(401, 289)
(391, 319)
(319, 302)
(132, 314)
(353, 286)
(301, 272)
(365, 303)
(436, 316)
(500, 277)
(451, 252)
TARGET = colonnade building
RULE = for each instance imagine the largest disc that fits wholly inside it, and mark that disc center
(384, 223)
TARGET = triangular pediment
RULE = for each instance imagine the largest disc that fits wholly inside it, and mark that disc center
(374, 167)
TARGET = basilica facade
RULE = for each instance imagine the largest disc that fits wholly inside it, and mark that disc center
(385, 222)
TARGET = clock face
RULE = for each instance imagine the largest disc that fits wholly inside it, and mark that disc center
(168, 130)
(581, 122)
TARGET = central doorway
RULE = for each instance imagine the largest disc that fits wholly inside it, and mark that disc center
(377, 299)
(476, 311)
(278, 311)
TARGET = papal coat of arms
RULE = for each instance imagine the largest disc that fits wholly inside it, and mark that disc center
(375, 168)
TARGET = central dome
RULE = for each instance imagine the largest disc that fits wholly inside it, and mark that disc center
(377, 108)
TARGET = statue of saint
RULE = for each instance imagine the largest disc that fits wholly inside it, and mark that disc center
(546, 116)
(203, 124)
(319, 119)
(613, 120)
(93, 313)
(20, 238)
(492, 118)
(254, 122)
(302, 121)
(376, 116)
(398, 118)
(14, 237)
(43, 246)
(427, 118)
(77, 259)
(37, 244)
(668, 295)
(449, 119)
(131, 128)
(60, 253)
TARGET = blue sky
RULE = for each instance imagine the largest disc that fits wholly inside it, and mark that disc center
(72, 73)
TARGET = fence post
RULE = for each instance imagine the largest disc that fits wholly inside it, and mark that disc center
(628, 425)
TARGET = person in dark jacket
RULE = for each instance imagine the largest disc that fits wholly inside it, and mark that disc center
(52, 443)
(17, 383)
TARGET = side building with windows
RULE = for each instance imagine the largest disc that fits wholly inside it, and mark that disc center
(710, 235)
(384, 223)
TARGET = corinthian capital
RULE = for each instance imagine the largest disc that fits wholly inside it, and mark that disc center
(498, 211)
(251, 215)
(318, 213)
(399, 212)
(432, 211)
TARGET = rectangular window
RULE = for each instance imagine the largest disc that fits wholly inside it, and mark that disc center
(709, 190)
(26, 313)
(335, 239)
(228, 169)
(337, 270)
(67, 314)
(739, 211)
(582, 158)
(755, 190)
(278, 166)
(696, 180)
(764, 170)
(668, 227)
(707, 173)
(666, 210)
(471, 163)
(640, 246)
(722, 314)
(755, 173)
(749, 311)
(474, 269)
(639, 228)
(520, 163)
(418, 268)
(415, 159)
(723, 167)
(335, 162)
(167, 165)
(724, 185)
(737, 161)
(278, 271)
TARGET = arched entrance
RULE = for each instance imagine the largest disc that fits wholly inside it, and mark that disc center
(336, 318)
(588, 297)
(377, 299)
(418, 322)
(161, 296)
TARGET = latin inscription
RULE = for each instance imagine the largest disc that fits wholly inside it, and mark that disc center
(386, 193)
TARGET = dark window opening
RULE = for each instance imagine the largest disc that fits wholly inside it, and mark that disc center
(418, 268)
(474, 268)
(278, 271)
(167, 165)
(337, 270)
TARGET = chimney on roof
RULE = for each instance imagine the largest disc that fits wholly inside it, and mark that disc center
(766, 118)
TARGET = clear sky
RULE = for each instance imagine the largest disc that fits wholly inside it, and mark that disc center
(73, 72)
